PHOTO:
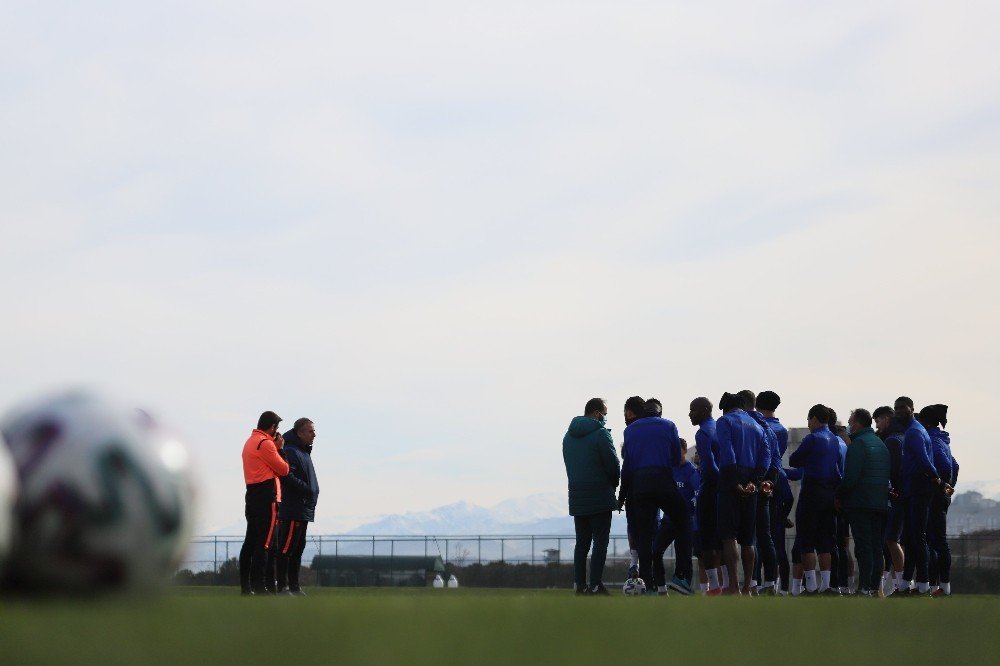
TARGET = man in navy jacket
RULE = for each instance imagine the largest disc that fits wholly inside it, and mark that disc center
(299, 491)
(920, 481)
(707, 447)
(652, 448)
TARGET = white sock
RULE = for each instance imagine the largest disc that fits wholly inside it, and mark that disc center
(703, 587)
(910, 585)
(946, 588)
(767, 584)
(753, 583)
(725, 575)
(824, 581)
(852, 583)
(900, 583)
(713, 579)
(810, 581)
(923, 588)
(635, 558)
(796, 587)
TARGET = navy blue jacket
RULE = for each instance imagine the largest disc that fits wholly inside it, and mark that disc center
(820, 457)
(652, 444)
(944, 462)
(300, 487)
(707, 444)
(894, 442)
(781, 432)
(918, 460)
(771, 440)
(742, 444)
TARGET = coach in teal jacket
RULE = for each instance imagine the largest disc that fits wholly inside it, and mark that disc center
(593, 471)
(864, 495)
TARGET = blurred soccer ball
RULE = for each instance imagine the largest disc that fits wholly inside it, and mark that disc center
(8, 491)
(634, 587)
(106, 496)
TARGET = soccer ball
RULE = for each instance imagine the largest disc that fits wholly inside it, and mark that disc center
(8, 491)
(634, 587)
(105, 497)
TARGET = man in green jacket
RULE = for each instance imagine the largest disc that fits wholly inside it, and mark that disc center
(864, 495)
(593, 471)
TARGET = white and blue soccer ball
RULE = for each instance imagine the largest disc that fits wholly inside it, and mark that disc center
(634, 587)
(8, 493)
(105, 497)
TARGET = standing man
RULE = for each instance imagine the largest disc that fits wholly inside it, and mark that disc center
(767, 403)
(652, 450)
(819, 456)
(743, 461)
(593, 472)
(920, 482)
(767, 558)
(707, 447)
(262, 467)
(687, 480)
(891, 433)
(299, 491)
(863, 494)
(933, 418)
(635, 408)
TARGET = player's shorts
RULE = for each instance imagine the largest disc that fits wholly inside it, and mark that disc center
(696, 543)
(816, 527)
(708, 500)
(737, 515)
(894, 520)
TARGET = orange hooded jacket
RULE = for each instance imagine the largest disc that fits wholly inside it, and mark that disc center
(261, 461)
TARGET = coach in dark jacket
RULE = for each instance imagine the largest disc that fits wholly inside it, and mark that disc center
(592, 471)
(863, 494)
(299, 491)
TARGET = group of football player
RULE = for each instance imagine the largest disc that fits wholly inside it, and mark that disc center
(886, 478)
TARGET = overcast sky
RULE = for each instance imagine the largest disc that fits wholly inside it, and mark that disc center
(438, 228)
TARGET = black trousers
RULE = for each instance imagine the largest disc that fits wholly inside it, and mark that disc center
(256, 562)
(867, 527)
(939, 567)
(591, 529)
(919, 507)
(668, 499)
(766, 553)
(288, 547)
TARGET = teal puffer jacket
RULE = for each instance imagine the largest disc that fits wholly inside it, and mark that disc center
(592, 467)
(866, 473)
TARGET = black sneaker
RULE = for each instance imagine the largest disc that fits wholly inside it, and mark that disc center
(582, 591)
(830, 592)
(284, 592)
(599, 589)
(298, 593)
(246, 593)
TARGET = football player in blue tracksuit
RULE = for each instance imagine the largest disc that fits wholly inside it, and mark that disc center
(707, 448)
(744, 459)
(652, 449)
(891, 433)
(819, 456)
(934, 417)
(920, 481)
(688, 481)
(767, 403)
(766, 562)
(635, 407)
(841, 565)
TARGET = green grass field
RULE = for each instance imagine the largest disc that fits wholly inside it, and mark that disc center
(471, 626)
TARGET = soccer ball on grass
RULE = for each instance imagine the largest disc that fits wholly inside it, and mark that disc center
(634, 587)
(105, 497)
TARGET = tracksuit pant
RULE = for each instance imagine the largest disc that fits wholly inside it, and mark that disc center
(766, 553)
(919, 511)
(593, 529)
(655, 488)
(288, 547)
(867, 528)
(937, 540)
(256, 564)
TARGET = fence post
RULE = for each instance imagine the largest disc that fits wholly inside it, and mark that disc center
(215, 554)
(479, 545)
(392, 554)
(532, 550)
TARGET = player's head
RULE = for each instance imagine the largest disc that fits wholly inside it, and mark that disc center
(749, 399)
(859, 420)
(882, 417)
(596, 408)
(268, 422)
(768, 401)
(730, 402)
(819, 416)
(701, 409)
(653, 407)
(635, 407)
(305, 430)
(831, 419)
(903, 407)
(684, 448)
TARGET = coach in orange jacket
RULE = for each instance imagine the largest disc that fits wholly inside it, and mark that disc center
(262, 466)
